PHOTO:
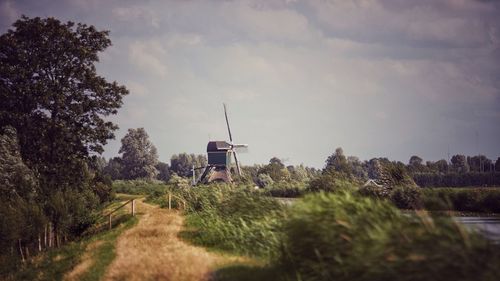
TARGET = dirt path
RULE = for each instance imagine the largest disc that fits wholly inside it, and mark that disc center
(152, 250)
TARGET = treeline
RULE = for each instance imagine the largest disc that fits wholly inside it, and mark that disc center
(139, 160)
(52, 110)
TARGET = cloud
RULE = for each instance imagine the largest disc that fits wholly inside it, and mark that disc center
(149, 57)
(8, 13)
(136, 13)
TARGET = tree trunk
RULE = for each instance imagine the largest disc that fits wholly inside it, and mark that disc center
(39, 242)
(45, 236)
(21, 250)
(27, 250)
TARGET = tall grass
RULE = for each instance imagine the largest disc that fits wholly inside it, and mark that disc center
(344, 237)
(236, 220)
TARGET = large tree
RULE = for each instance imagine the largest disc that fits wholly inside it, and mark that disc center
(139, 155)
(51, 94)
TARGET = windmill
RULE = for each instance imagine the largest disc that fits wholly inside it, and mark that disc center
(219, 158)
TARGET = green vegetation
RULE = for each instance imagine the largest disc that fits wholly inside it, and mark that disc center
(482, 200)
(333, 236)
(343, 237)
(52, 114)
(55, 263)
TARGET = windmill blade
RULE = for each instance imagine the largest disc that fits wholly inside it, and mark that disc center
(227, 122)
(241, 149)
(237, 163)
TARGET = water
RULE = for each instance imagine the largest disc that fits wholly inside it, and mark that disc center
(488, 226)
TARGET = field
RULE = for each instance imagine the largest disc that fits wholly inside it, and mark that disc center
(228, 232)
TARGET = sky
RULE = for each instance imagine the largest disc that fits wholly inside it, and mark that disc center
(379, 78)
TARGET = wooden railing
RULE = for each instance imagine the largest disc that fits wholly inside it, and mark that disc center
(170, 196)
(109, 215)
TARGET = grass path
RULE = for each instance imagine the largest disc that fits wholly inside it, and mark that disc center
(152, 250)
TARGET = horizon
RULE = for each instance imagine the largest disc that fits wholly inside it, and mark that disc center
(379, 79)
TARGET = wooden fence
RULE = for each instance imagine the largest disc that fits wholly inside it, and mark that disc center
(170, 196)
(109, 215)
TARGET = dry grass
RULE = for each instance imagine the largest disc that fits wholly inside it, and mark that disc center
(152, 250)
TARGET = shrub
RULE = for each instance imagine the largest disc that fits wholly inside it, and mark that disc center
(406, 197)
(286, 189)
(331, 181)
(344, 237)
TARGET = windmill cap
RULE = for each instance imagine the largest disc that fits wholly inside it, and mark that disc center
(214, 146)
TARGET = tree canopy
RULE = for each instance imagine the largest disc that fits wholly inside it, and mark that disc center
(139, 155)
(51, 94)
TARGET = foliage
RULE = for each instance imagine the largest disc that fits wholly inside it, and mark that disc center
(54, 105)
(232, 219)
(52, 95)
(182, 163)
(485, 200)
(342, 237)
(163, 171)
(114, 168)
(55, 263)
(264, 180)
(290, 189)
(332, 181)
(276, 170)
(407, 197)
(139, 187)
(139, 155)
(454, 179)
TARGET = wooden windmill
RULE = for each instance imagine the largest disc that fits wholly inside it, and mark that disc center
(219, 158)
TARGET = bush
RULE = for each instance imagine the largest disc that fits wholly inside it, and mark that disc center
(286, 189)
(406, 197)
(331, 181)
(344, 237)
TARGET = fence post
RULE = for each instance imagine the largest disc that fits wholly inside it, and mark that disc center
(169, 201)
(133, 207)
(110, 221)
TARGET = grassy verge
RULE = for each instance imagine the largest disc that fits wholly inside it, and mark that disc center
(105, 253)
(56, 264)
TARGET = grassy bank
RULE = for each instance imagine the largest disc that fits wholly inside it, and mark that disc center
(84, 259)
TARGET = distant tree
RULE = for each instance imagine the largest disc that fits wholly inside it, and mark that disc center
(139, 155)
(459, 163)
(442, 166)
(264, 180)
(479, 163)
(415, 165)
(356, 168)
(497, 165)
(415, 161)
(276, 170)
(163, 171)
(114, 168)
(277, 162)
(337, 161)
(182, 164)
(297, 173)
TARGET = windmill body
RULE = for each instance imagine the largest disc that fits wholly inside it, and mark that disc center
(219, 155)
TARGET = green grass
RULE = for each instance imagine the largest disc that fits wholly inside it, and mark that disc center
(105, 253)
